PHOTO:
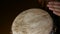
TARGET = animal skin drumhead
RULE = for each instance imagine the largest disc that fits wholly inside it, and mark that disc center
(32, 21)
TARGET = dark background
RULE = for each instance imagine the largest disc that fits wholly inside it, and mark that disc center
(9, 9)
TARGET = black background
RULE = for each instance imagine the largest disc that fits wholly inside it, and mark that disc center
(9, 9)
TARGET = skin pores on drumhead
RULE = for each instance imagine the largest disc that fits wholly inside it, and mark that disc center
(32, 21)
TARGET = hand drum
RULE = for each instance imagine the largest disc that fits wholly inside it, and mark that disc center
(32, 21)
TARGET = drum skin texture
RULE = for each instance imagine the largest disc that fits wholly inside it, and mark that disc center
(32, 21)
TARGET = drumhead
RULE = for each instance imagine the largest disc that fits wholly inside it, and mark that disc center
(32, 21)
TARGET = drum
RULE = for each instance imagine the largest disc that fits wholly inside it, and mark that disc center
(32, 21)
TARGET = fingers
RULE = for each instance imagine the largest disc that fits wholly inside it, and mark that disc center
(56, 13)
(55, 7)
(55, 3)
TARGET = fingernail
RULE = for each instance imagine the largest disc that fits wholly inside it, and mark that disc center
(49, 5)
(51, 8)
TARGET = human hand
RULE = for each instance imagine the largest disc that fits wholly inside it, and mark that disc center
(55, 7)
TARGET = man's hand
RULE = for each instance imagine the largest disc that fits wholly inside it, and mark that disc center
(55, 7)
